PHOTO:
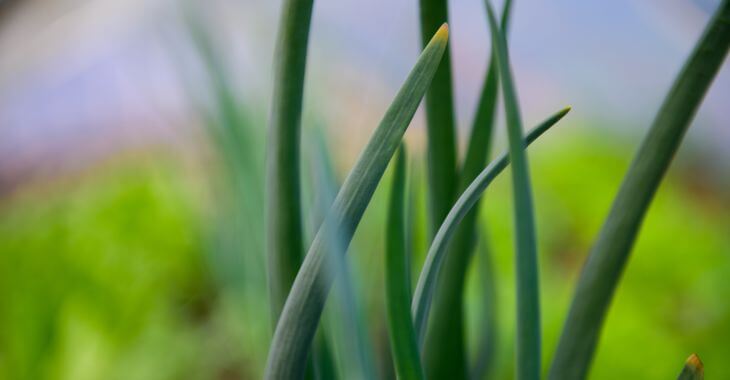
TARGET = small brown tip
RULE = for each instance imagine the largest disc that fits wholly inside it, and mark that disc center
(695, 362)
(443, 32)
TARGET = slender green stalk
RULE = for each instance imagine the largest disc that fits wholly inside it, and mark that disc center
(284, 244)
(602, 271)
(693, 369)
(480, 141)
(528, 297)
(358, 356)
(488, 340)
(445, 349)
(353, 339)
(303, 308)
(427, 280)
(322, 358)
(440, 120)
(325, 191)
(398, 295)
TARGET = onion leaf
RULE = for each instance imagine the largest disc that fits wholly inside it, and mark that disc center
(606, 261)
(303, 307)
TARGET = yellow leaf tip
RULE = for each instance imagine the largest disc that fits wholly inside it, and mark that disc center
(695, 363)
(443, 32)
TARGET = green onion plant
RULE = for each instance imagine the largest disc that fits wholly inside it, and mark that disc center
(426, 327)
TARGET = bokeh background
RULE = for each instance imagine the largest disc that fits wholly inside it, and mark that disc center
(131, 163)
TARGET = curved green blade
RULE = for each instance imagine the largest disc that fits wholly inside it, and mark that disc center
(445, 349)
(602, 271)
(427, 280)
(303, 307)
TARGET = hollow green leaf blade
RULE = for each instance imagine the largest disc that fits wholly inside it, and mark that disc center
(606, 261)
(346, 323)
(358, 361)
(283, 215)
(325, 186)
(693, 369)
(528, 297)
(445, 348)
(427, 279)
(488, 339)
(440, 120)
(480, 140)
(398, 295)
(303, 308)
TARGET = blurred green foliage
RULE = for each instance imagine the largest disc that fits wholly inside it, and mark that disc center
(108, 279)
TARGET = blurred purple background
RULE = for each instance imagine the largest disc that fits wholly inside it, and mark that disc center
(82, 79)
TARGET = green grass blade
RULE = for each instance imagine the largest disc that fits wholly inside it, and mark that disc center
(325, 189)
(322, 359)
(489, 336)
(284, 244)
(528, 297)
(440, 121)
(480, 140)
(445, 349)
(358, 356)
(602, 270)
(303, 308)
(427, 280)
(346, 320)
(693, 369)
(398, 295)
(325, 182)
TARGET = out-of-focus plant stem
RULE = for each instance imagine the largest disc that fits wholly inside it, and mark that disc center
(284, 245)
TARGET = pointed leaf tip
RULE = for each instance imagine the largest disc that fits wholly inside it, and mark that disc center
(695, 363)
(442, 33)
(693, 369)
